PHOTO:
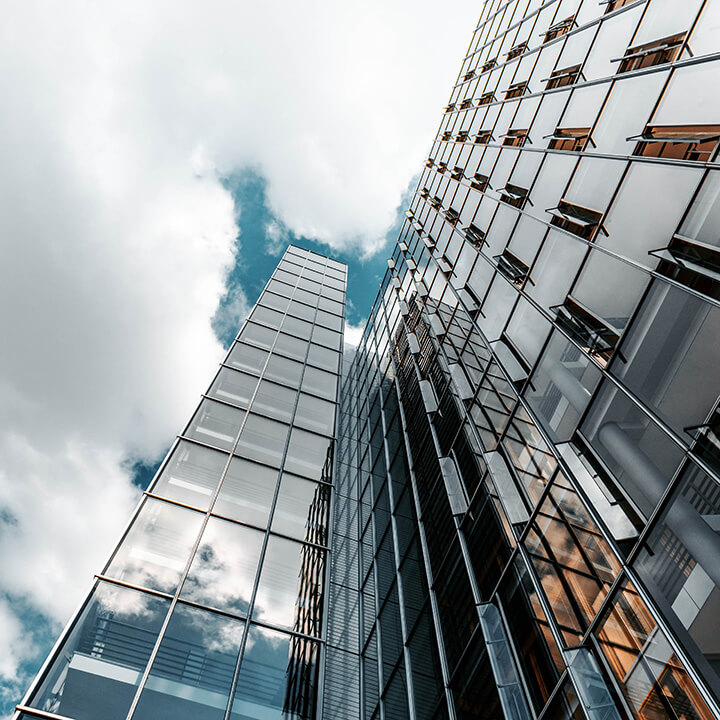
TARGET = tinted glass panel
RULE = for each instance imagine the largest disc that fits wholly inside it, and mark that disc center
(247, 357)
(157, 547)
(315, 414)
(307, 453)
(301, 509)
(191, 475)
(274, 400)
(104, 656)
(216, 424)
(223, 570)
(247, 492)
(233, 387)
(192, 673)
(262, 440)
(284, 370)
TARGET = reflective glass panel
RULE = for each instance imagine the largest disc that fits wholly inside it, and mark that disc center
(192, 673)
(302, 509)
(191, 475)
(103, 658)
(258, 335)
(291, 346)
(323, 358)
(290, 589)
(157, 547)
(284, 370)
(278, 677)
(274, 400)
(246, 357)
(223, 570)
(262, 440)
(297, 327)
(319, 382)
(233, 387)
(315, 414)
(323, 336)
(307, 453)
(246, 493)
(216, 424)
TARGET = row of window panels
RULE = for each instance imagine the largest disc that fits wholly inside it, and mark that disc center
(223, 569)
(267, 338)
(612, 308)
(636, 114)
(638, 26)
(285, 291)
(308, 279)
(318, 333)
(685, 221)
(293, 373)
(575, 194)
(103, 660)
(277, 297)
(308, 256)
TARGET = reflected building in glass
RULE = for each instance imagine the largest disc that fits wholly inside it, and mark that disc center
(517, 514)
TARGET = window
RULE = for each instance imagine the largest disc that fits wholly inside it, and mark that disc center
(450, 107)
(516, 90)
(480, 182)
(559, 28)
(483, 137)
(517, 50)
(575, 219)
(514, 195)
(468, 76)
(652, 53)
(572, 139)
(512, 267)
(563, 77)
(466, 104)
(233, 387)
(441, 168)
(680, 142)
(486, 98)
(215, 424)
(458, 173)
(586, 328)
(246, 357)
(475, 236)
(462, 136)
(247, 492)
(452, 216)
(692, 263)
(447, 135)
(489, 65)
(515, 138)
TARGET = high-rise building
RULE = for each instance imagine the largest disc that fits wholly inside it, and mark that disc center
(518, 513)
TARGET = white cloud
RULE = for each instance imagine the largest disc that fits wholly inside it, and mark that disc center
(116, 235)
(353, 333)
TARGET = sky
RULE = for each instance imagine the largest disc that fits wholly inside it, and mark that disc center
(157, 157)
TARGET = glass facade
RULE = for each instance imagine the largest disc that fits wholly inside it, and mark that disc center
(505, 503)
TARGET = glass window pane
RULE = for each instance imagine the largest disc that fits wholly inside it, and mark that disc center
(275, 301)
(191, 475)
(284, 370)
(304, 296)
(246, 492)
(278, 677)
(332, 322)
(265, 315)
(216, 424)
(302, 509)
(305, 312)
(297, 327)
(309, 285)
(274, 400)
(193, 670)
(262, 440)
(289, 593)
(330, 306)
(285, 276)
(246, 357)
(323, 358)
(315, 414)
(326, 337)
(307, 454)
(157, 547)
(319, 382)
(258, 335)
(104, 656)
(223, 570)
(233, 387)
(291, 346)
